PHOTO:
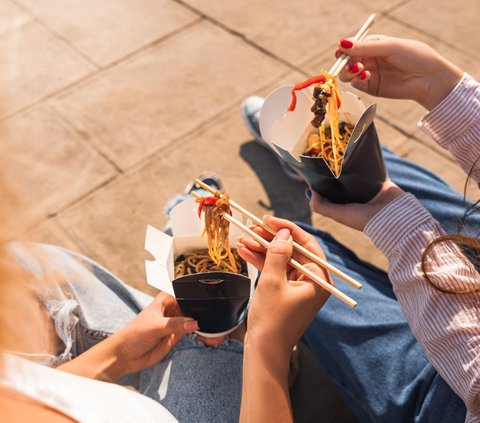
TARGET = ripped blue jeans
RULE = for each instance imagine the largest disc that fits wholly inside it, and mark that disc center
(194, 382)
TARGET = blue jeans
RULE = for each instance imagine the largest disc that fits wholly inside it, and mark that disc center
(370, 351)
(194, 382)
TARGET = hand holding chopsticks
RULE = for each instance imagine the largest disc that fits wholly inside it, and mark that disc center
(333, 290)
(360, 35)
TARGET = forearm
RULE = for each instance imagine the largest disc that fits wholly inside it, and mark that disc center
(455, 124)
(265, 395)
(446, 325)
(100, 362)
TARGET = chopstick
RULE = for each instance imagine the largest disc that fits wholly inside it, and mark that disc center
(344, 58)
(323, 263)
(295, 264)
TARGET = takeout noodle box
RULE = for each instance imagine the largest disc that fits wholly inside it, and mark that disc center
(218, 300)
(363, 169)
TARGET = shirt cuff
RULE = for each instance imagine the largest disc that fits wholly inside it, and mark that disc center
(392, 224)
(454, 114)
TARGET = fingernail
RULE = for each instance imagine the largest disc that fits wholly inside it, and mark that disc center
(240, 245)
(346, 43)
(283, 235)
(266, 217)
(338, 53)
(362, 75)
(354, 68)
(308, 194)
(190, 325)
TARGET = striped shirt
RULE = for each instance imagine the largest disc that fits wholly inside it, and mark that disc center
(446, 325)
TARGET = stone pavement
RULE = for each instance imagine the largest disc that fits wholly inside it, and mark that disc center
(112, 106)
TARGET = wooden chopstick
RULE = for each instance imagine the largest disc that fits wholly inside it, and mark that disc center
(295, 264)
(323, 263)
(344, 58)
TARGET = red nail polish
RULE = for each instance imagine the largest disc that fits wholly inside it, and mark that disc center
(354, 68)
(362, 75)
(346, 43)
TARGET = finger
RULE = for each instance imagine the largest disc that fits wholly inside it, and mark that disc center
(351, 72)
(279, 253)
(165, 303)
(360, 81)
(320, 271)
(372, 46)
(346, 214)
(162, 349)
(256, 259)
(298, 234)
(263, 233)
(325, 207)
(179, 325)
(252, 245)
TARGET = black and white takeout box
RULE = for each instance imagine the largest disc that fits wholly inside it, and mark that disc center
(217, 300)
(363, 169)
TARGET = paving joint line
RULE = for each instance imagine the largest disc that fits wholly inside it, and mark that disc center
(238, 34)
(202, 125)
(86, 194)
(56, 34)
(95, 73)
(396, 6)
(428, 34)
(54, 220)
(156, 152)
(84, 136)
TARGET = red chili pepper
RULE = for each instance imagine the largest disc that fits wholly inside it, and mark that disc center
(200, 206)
(314, 152)
(211, 200)
(300, 86)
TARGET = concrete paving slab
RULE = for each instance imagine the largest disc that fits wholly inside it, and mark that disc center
(292, 30)
(142, 105)
(52, 165)
(455, 23)
(50, 232)
(33, 63)
(108, 30)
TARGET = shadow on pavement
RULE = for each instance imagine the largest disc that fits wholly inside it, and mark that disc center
(286, 196)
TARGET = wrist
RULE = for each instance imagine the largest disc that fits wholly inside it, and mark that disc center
(100, 362)
(441, 83)
(264, 344)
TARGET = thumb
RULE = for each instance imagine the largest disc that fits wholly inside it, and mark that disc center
(372, 46)
(279, 253)
(324, 207)
(180, 325)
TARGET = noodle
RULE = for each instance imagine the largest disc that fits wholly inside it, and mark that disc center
(201, 262)
(217, 228)
(330, 142)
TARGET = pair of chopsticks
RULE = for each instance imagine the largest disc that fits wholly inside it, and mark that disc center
(295, 264)
(344, 58)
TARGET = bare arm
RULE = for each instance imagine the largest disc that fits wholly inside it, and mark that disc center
(142, 343)
(283, 305)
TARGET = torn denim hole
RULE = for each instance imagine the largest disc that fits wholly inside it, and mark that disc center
(63, 315)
